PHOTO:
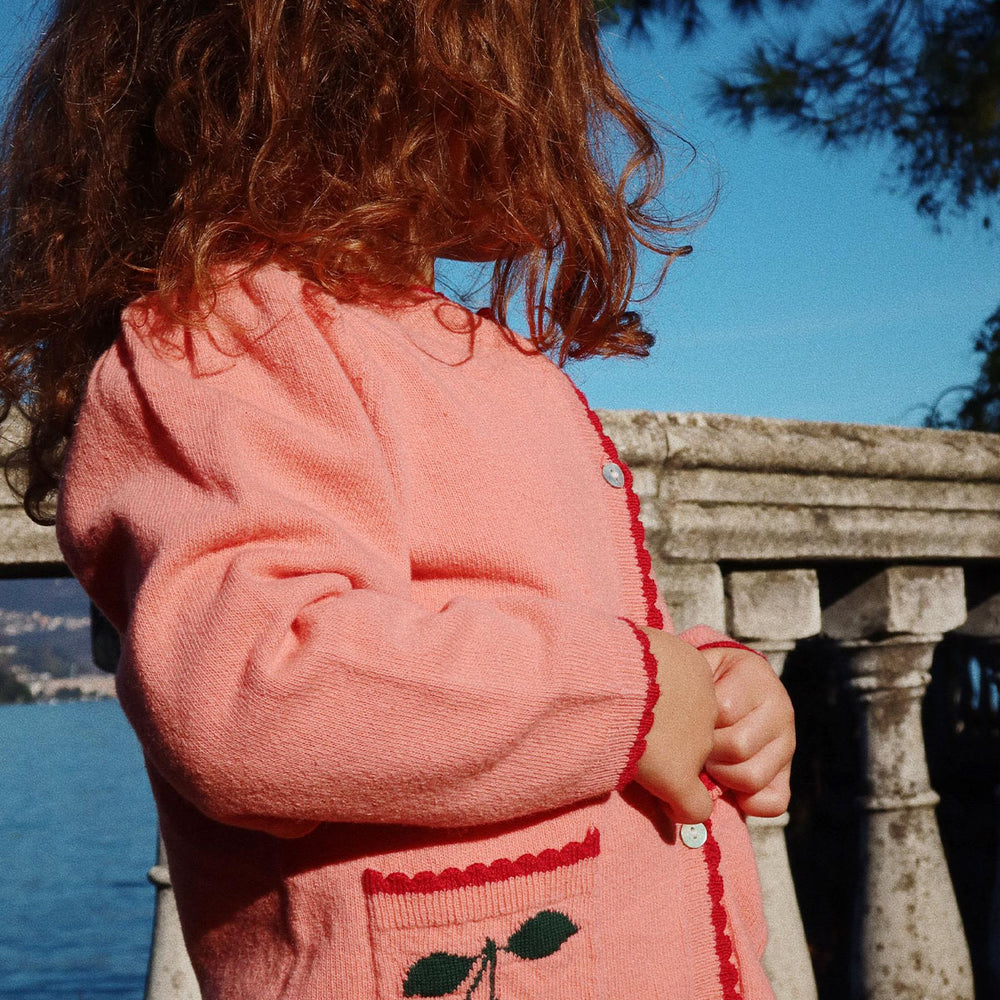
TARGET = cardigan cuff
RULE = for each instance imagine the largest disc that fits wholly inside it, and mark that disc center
(701, 637)
(646, 720)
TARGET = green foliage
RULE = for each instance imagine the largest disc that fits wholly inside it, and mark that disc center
(979, 410)
(12, 691)
(923, 74)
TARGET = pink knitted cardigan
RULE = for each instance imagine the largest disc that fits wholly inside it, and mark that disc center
(378, 573)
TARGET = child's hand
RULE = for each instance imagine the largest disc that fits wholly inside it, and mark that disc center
(755, 731)
(681, 737)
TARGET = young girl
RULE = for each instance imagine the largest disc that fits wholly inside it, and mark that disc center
(411, 707)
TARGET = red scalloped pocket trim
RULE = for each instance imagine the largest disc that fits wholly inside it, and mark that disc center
(646, 722)
(397, 883)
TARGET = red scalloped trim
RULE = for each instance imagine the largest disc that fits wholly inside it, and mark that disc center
(654, 617)
(646, 722)
(729, 975)
(397, 883)
(730, 644)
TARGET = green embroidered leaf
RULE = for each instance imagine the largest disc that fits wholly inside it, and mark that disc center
(437, 975)
(541, 935)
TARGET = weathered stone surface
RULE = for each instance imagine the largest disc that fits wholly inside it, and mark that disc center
(888, 677)
(916, 600)
(743, 488)
(638, 435)
(748, 532)
(786, 957)
(770, 489)
(777, 604)
(24, 543)
(720, 441)
(911, 944)
(693, 593)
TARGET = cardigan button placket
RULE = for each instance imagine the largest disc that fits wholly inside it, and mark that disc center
(614, 475)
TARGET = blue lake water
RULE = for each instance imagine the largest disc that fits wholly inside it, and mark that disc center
(77, 836)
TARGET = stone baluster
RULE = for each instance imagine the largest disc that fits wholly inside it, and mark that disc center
(908, 943)
(768, 610)
(170, 976)
(788, 609)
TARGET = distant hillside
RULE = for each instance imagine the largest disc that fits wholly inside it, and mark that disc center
(45, 646)
(61, 653)
(54, 596)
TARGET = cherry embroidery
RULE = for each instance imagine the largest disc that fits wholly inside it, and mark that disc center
(440, 973)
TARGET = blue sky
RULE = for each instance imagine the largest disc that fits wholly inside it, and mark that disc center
(814, 291)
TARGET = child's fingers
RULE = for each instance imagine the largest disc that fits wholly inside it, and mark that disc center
(755, 773)
(736, 700)
(745, 738)
(736, 689)
(771, 800)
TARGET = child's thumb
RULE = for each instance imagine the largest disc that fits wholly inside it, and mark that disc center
(691, 804)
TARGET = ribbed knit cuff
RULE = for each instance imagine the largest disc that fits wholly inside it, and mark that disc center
(646, 720)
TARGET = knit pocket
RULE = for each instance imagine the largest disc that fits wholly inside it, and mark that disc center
(524, 929)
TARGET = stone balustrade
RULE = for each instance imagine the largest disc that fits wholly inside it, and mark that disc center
(781, 530)
(866, 543)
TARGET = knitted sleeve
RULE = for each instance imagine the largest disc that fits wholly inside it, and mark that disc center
(242, 530)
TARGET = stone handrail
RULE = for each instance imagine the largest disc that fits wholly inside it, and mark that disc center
(777, 531)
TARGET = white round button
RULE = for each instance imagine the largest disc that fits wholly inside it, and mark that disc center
(694, 835)
(613, 474)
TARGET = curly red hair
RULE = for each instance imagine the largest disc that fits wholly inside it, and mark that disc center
(151, 141)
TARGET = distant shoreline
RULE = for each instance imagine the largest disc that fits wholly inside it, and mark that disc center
(25, 687)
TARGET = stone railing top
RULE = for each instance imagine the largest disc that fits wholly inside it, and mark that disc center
(759, 444)
(751, 489)
(716, 487)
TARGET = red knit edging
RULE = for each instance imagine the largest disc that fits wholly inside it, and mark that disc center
(708, 782)
(729, 976)
(397, 883)
(654, 617)
(646, 722)
(730, 644)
